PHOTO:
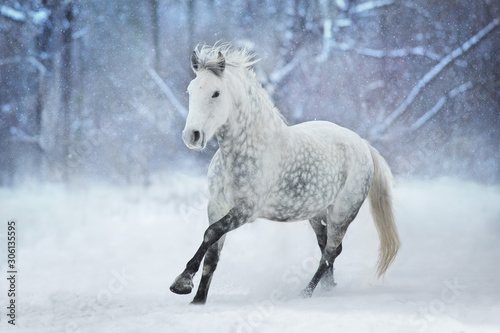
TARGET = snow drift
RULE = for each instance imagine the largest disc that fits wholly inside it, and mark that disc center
(100, 259)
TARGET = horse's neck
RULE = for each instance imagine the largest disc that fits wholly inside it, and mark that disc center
(252, 124)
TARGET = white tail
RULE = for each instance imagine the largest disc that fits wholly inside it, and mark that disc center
(381, 208)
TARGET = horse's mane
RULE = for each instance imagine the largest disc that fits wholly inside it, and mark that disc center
(208, 58)
(236, 57)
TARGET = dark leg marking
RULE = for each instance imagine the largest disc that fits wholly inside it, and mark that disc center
(325, 266)
(183, 284)
(209, 265)
(327, 281)
(318, 224)
(329, 255)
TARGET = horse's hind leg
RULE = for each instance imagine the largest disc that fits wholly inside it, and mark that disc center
(318, 224)
(337, 223)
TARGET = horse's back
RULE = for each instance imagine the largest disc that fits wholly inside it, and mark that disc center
(335, 140)
(328, 131)
(341, 143)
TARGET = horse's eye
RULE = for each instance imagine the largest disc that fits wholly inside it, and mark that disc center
(216, 94)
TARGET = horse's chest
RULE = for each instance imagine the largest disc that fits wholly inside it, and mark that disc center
(235, 178)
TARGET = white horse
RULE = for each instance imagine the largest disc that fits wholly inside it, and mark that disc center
(266, 169)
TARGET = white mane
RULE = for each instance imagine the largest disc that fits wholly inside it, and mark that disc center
(235, 57)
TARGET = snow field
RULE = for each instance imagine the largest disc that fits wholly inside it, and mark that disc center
(101, 259)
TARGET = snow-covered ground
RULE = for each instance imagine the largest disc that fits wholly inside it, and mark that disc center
(101, 259)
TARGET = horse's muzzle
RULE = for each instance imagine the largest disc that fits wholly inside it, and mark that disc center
(193, 139)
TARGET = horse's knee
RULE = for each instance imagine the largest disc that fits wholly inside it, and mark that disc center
(210, 234)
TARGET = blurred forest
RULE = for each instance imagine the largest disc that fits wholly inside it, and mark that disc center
(95, 90)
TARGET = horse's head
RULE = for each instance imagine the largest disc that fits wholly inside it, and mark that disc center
(209, 100)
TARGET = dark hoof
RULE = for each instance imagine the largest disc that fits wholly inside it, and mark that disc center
(182, 285)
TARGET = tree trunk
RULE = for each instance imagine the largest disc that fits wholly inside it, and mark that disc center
(66, 85)
(191, 24)
(155, 31)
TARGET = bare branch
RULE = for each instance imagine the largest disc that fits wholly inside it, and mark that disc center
(80, 33)
(276, 76)
(279, 74)
(18, 135)
(32, 60)
(35, 62)
(370, 5)
(396, 53)
(420, 10)
(10, 60)
(327, 40)
(40, 16)
(430, 75)
(13, 14)
(435, 109)
(168, 93)
(341, 4)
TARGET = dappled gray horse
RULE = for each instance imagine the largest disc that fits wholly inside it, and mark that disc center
(266, 169)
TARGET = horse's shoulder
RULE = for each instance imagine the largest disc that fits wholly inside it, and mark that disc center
(215, 168)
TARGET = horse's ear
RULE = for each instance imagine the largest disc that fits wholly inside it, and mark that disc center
(195, 61)
(221, 64)
(221, 61)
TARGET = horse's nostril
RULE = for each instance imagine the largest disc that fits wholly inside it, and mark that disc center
(196, 136)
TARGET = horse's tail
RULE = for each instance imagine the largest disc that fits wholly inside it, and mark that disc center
(381, 208)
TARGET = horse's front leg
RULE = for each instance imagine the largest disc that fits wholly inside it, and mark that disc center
(209, 266)
(236, 217)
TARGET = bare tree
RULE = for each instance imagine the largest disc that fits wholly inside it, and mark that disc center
(155, 31)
